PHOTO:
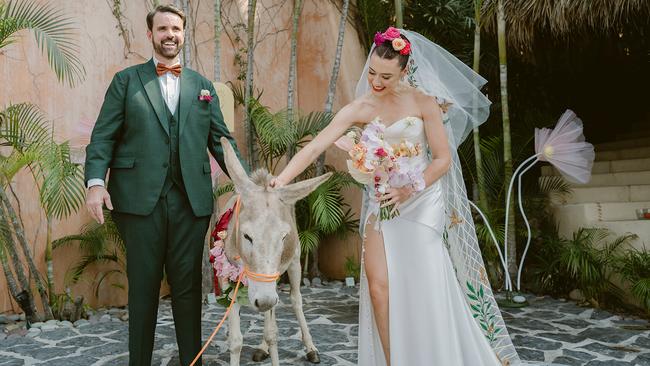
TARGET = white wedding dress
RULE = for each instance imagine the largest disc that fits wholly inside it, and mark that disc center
(430, 319)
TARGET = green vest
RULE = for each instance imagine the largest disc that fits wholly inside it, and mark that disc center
(174, 175)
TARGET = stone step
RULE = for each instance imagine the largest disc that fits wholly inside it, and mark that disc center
(631, 193)
(608, 166)
(617, 179)
(624, 144)
(624, 154)
(601, 211)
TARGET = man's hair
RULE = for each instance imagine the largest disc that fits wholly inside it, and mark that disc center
(164, 9)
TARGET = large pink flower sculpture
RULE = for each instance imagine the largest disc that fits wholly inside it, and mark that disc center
(566, 149)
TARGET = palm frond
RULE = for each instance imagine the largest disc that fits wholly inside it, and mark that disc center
(222, 189)
(25, 127)
(309, 240)
(54, 32)
(326, 202)
(62, 189)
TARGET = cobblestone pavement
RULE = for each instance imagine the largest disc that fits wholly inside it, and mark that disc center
(548, 330)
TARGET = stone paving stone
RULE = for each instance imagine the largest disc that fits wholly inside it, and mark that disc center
(535, 343)
(528, 354)
(72, 361)
(609, 334)
(604, 350)
(548, 328)
(642, 359)
(607, 363)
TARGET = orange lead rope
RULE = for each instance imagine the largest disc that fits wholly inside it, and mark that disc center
(258, 277)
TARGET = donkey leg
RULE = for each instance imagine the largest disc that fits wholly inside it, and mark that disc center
(296, 303)
(271, 336)
(235, 338)
(261, 353)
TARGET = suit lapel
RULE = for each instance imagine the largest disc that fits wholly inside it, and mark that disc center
(188, 93)
(149, 79)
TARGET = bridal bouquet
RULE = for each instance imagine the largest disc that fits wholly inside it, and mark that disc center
(373, 161)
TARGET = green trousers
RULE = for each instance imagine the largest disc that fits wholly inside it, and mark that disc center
(170, 238)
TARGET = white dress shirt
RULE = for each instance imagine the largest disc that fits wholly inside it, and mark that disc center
(170, 87)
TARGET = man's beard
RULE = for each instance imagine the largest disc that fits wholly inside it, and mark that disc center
(158, 47)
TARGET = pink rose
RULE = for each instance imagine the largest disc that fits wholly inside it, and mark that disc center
(391, 33)
(379, 39)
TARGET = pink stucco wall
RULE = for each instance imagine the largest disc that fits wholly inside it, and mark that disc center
(27, 77)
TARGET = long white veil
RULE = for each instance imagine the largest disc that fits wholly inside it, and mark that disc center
(457, 88)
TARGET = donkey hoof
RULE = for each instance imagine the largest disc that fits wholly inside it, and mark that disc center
(313, 357)
(259, 355)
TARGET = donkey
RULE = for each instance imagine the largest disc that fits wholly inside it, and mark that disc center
(267, 243)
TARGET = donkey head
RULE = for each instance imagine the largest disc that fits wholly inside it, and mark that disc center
(267, 240)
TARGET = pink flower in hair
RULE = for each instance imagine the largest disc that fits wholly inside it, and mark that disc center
(391, 33)
(406, 50)
(379, 39)
(399, 44)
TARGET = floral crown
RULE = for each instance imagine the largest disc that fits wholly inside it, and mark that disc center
(393, 35)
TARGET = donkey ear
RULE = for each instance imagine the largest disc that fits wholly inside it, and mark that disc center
(294, 192)
(235, 170)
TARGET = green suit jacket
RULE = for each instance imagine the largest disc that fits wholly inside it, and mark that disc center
(131, 138)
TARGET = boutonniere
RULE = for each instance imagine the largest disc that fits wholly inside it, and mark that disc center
(205, 96)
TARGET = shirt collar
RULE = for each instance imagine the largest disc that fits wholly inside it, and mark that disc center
(156, 62)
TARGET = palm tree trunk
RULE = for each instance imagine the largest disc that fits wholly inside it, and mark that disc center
(187, 50)
(49, 261)
(248, 92)
(511, 254)
(331, 90)
(10, 249)
(297, 9)
(217, 40)
(399, 18)
(482, 194)
(20, 235)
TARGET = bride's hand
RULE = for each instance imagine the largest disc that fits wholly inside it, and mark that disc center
(276, 183)
(396, 196)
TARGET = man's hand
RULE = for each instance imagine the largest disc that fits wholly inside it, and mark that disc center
(95, 199)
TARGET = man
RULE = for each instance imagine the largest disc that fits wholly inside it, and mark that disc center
(153, 132)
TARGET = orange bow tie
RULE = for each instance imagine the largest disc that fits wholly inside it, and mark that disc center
(161, 69)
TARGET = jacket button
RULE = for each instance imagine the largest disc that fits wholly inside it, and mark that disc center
(165, 165)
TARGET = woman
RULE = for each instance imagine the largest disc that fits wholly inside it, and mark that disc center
(425, 298)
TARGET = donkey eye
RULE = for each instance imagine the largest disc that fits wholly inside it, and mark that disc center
(248, 238)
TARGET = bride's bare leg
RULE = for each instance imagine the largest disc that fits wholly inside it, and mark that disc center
(377, 273)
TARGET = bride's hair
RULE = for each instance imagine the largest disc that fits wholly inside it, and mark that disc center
(386, 50)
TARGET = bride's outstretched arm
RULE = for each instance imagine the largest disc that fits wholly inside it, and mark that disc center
(437, 139)
(343, 120)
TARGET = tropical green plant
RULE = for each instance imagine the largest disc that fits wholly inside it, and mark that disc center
(586, 262)
(449, 23)
(324, 212)
(53, 31)
(31, 147)
(352, 267)
(100, 244)
(59, 181)
(634, 267)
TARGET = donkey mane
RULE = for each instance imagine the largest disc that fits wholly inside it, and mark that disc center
(262, 178)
